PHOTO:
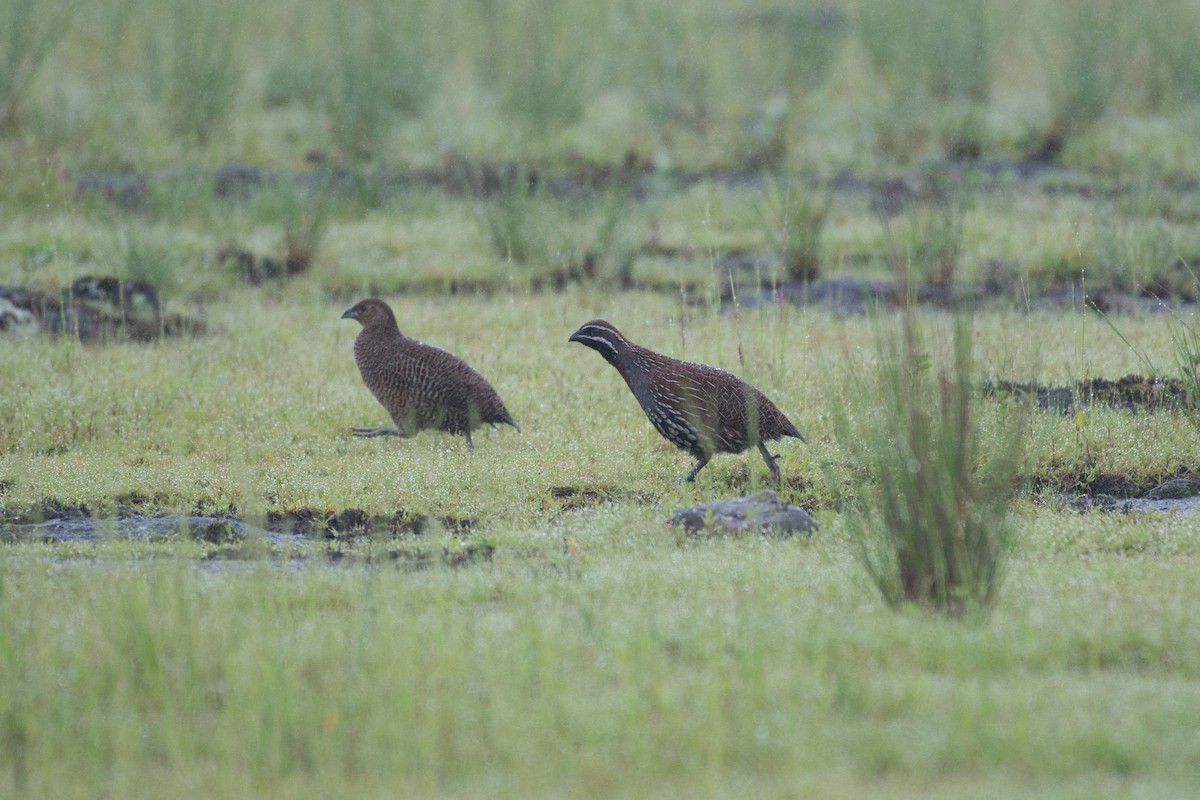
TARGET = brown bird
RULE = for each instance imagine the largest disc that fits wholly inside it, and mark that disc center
(421, 386)
(698, 408)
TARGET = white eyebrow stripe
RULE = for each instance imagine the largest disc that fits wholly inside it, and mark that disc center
(600, 339)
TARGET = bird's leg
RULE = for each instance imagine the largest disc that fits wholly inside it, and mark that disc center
(700, 462)
(770, 459)
(378, 431)
(469, 445)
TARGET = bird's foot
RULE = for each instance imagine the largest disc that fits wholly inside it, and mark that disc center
(771, 460)
(691, 476)
(377, 431)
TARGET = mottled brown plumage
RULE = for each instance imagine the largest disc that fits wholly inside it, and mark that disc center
(421, 386)
(697, 408)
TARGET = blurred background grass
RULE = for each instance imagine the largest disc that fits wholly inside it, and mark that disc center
(806, 94)
(692, 82)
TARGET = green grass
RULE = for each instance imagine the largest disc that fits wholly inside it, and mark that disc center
(933, 529)
(646, 667)
(671, 80)
(380, 71)
(589, 650)
(546, 634)
(258, 411)
(31, 34)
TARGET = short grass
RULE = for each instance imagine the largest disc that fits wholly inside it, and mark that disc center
(638, 666)
(596, 652)
(256, 415)
(547, 634)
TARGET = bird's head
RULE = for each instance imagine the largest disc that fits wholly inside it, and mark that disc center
(603, 337)
(371, 313)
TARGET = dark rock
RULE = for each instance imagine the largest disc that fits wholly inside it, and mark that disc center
(762, 511)
(1100, 502)
(841, 295)
(349, 523)
(100, 308)
(13, 318)
(349, 520)
(252, 268)
(239, 180)
(132, 296)
(125, 190)
(1174, 489)
(1134, 392)
(1113, 485)
(1054, 398)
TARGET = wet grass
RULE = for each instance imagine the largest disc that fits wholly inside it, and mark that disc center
(748, 665)
(518, 620)
(681, 81)
(254, 417)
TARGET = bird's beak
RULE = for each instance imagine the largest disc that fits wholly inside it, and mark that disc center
(350, 314)
(574, 337)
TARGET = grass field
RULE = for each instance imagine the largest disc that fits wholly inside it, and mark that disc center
(518, 620)
(648, 667)
(593, 650)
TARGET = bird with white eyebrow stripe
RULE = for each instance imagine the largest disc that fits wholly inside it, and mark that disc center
(701, 409)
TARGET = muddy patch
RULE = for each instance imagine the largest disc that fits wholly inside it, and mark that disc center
(756, 274)
(351, 523)
(1119, 493)
(853, 296)
(95, 309)
(565, 499)
(349, 537)
(1133, 393)
(581, 179)
(78, 526)
(571, 498)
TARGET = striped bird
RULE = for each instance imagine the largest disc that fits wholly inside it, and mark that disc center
(697, 408)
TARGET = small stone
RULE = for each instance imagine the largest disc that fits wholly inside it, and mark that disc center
(763, 511)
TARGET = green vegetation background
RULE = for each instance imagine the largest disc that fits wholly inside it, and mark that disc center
(593, 651)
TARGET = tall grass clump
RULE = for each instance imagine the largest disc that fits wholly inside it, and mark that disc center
(944, 46)
(563, 239)
(669, 69)
(942, 49)
(302, 213)
(793, 214)
(933, 527)
(536, 57)
(140, 258)
(812, 37)
(30, 30)
(798, 47)
(612, 242)
(935, 231)
(194, 73)
(1171, 31)
(1083, 49)
(1185, 338)
(516, 220)
(381, 72)
(288, 81)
